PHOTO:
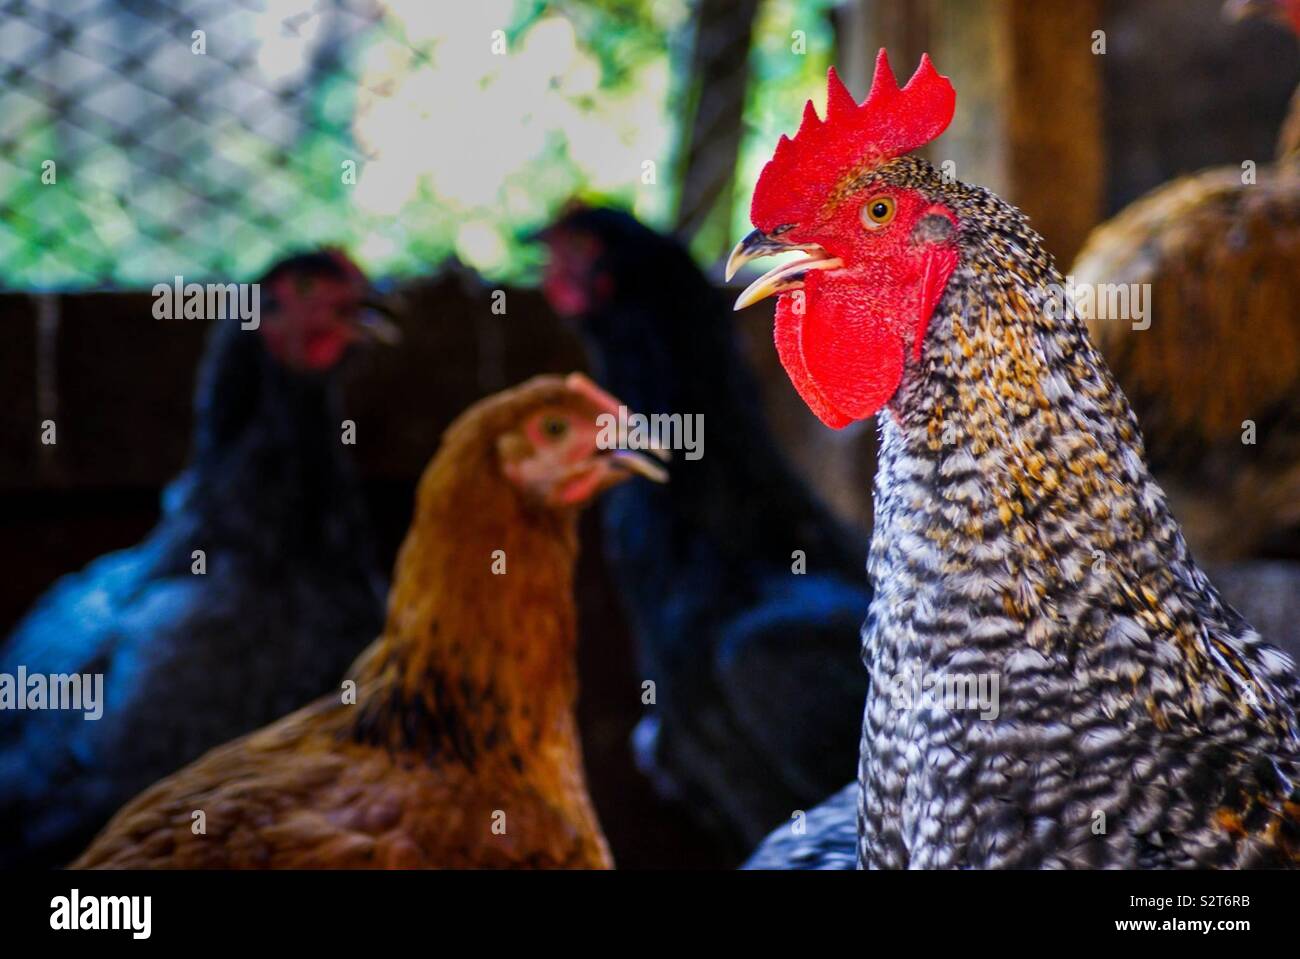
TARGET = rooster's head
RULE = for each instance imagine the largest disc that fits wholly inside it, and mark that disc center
(880, 246)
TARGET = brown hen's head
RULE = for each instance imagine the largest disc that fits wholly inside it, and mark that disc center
(881, 246)
(553, 440)
(316, 306)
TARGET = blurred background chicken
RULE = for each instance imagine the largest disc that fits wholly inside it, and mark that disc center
(744, 593)
(454, 742)
(197, 649)
(1215, 379)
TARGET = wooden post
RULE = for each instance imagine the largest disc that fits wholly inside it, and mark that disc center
(1029, 108)
(1028, 123)
(716, 95)
(1056, 158)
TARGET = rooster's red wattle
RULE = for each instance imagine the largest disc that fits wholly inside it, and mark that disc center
(1019, 541)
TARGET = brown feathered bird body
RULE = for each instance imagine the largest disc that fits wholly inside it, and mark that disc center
(1222, 351)
(460, 748)
(1213, 370)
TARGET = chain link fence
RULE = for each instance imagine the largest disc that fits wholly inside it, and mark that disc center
(141, 138)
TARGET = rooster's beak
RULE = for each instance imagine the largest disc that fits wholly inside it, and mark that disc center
(787, 276)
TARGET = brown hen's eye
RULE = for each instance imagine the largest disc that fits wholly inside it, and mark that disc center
(878, 212)
(554, 427)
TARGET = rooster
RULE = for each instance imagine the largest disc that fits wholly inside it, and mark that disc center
(758, 678)
(453, 742)
(1020, 545)
(197, 647)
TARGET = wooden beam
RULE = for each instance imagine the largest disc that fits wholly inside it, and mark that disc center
(125, 383)
(1029, 123)
(715, 95)
(1056, 156)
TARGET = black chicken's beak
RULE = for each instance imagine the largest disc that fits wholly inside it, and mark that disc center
(374, 321)
(787, 276)
(1235, 11)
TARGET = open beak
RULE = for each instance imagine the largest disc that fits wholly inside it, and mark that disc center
(780, 279)
(374, 321)
(632, 462)
(639, 464)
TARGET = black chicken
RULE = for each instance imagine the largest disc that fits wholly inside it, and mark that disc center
(290, 594)
(759, 686)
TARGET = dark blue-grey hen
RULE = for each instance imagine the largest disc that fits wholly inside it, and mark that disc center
(759, 684)
(290, 594)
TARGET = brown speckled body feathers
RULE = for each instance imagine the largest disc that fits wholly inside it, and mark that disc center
(461, 749)
(1222, 258)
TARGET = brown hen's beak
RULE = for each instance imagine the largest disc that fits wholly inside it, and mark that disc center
(787, 276)
(632, 461)
(636, 462)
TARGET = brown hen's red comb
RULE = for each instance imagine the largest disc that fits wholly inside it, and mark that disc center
(890, 122)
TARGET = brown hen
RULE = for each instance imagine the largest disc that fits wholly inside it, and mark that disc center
(453, 741)
(1215, 379)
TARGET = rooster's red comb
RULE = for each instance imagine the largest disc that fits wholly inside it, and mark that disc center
(890, 122)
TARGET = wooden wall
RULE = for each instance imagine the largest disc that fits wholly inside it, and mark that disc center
(118, 384)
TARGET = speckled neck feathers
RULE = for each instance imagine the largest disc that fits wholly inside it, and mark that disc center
(1019, 536)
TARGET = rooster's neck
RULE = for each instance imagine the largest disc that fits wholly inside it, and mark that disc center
(1010, 434)
(1036, 611)
(477, 659)
(1013, 501)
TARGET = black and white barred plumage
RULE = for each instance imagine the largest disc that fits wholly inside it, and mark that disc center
(1019, 538)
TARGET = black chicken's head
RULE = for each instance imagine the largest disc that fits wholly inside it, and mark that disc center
(601, 258)
(315, 306)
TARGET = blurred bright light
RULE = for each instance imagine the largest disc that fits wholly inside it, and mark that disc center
(385, 186)
(480, 245)
(459, 147)
(499, 141)
(376, 248)
(286, 30)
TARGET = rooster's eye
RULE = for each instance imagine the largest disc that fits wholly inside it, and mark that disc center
(554, 427)
(877, 212)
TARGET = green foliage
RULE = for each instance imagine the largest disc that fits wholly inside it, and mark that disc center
(781, 80)
(458, 151)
